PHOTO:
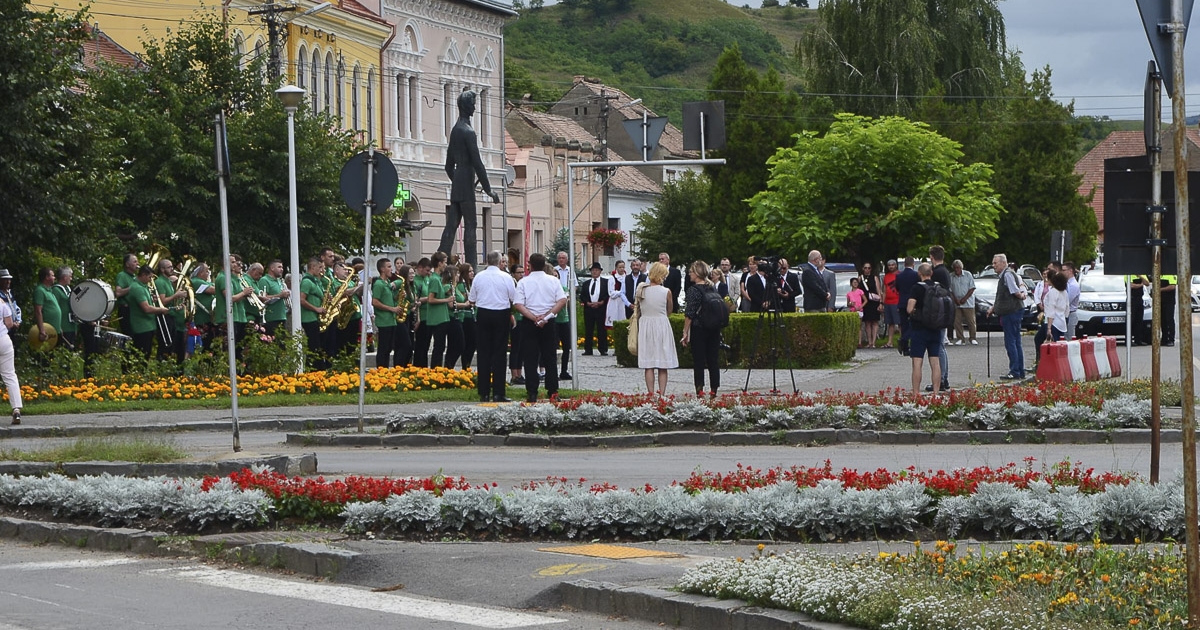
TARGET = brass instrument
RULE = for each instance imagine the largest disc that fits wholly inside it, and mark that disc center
(183, 282)
(253, 298)
(333, 306)
(402, 301)
(347, 311)
(165, 327)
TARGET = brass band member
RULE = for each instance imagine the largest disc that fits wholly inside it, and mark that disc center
(143, 313)
(46, 315)
(387, 312)
(270, 285)
(206, 301)
(62, 294)
(240, 291)
(164, 284)
(125, 279)
(312, 297)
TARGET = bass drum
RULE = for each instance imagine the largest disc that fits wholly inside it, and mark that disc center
(92, 301)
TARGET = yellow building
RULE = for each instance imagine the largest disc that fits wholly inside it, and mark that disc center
(331, 49)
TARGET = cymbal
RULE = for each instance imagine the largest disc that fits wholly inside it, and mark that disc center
(35, 340)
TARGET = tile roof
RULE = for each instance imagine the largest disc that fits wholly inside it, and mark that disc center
(627, 178)
(1122, 144)
(100, 48)
(672, 137)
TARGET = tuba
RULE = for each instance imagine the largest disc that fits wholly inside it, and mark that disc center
(183, 282)
(165, 327)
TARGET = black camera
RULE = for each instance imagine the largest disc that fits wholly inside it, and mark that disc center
(768, 265)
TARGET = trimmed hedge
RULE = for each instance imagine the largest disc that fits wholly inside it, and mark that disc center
(807, 340)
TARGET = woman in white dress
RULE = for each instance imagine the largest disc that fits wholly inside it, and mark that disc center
(616, 297)
(656, 340)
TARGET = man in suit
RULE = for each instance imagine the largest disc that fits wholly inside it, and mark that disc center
(789, 287)
(754, 291)
(593, 293)
(817, 297)
(731, 282)
(830, 284)
(674, 280)
(636, 276)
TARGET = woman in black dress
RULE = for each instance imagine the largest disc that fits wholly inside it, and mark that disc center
(870, 321)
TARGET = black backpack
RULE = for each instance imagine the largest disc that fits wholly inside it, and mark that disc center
(714, 313)
(937, 309)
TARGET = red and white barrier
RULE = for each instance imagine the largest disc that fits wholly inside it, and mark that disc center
(1079, 360)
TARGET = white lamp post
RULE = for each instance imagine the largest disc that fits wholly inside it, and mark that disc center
(291, 97)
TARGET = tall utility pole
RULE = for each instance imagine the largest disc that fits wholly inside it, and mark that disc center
(275, 34)
(605, 99)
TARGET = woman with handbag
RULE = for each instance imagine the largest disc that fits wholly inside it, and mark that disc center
(870, 313)
(704, 342)
(656, 340)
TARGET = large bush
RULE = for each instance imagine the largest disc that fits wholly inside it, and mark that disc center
(805, 340)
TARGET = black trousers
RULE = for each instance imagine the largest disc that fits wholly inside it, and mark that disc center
(514, 353)
(492, 329)
(1167, 319)
(470, 342)
(403, 345)
(144, 342)
(454, 342)
(273, 327)
(538, 345)
(565, 330)
(421, 349)
(312, 334)
(593, 328)
(385, 345)
(438, 334)
(705, 344)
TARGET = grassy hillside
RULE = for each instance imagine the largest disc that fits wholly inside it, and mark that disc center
(660, 50)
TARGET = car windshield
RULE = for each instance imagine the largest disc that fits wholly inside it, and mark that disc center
(1102, 284)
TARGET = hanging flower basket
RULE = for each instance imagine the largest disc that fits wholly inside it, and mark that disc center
(606, 238)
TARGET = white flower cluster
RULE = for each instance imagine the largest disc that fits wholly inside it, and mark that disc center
(110, 500)
(850, 589)
(1123, 411)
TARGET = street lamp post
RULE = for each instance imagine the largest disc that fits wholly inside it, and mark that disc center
(291, 97)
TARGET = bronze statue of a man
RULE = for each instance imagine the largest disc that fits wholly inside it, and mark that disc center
(463, 166)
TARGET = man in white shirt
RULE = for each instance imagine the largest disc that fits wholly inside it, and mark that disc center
(636, 276)
(493, 294)
(564, 329)
(539, 299)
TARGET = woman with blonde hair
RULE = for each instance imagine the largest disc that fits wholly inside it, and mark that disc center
(656, 340)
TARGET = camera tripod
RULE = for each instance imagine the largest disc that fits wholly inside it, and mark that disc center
(772, 320)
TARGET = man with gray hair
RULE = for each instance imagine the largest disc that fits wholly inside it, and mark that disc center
(962, 288)
(817, 296)
(493, 293)
(1009, 306)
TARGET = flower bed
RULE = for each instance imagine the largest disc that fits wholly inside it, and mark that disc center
(401, 379)
(1035, 585)
(1063, 502)
(1045, 405)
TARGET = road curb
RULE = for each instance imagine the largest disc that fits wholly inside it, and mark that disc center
(268, 424)
(799, 437)
(290, 465)
(682, 609)
(306, 558)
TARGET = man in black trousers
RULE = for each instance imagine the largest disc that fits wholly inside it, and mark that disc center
(593, 293)
(492, 292)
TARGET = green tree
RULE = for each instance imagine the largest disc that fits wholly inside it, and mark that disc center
(165, 113)
(872, 188)
(56, 181)
(678, 222)
(758, 119)
(916, 46)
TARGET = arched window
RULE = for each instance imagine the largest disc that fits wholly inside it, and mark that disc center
(401, 105)
(316, 80)
(354, 113)
(260, 50)
(301, 69)
(410, 39)
(341, 92)
(371, 104)
(485, 131)
(329, 78)
(449, 98)
(239, 51)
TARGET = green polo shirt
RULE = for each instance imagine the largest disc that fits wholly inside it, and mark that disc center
(382, 291)
(63, 296)
(124, 281)
(270, 285)
(313, 293)
(139, 320)
(438, 313)
(239, 307)
(43, 296)
(164, 287)
(205, 302)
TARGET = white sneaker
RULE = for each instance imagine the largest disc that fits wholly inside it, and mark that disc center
(958, 342)
(974, 343)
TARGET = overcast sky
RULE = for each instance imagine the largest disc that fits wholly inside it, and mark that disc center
(1097, 51)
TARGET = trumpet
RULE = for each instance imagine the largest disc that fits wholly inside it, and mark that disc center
(253, 298)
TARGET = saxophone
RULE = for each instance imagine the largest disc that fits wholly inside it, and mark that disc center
(348, 308)
(402, 301)
(333, 306)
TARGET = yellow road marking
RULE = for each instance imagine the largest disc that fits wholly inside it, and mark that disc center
(559, 570)
(612, 552)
